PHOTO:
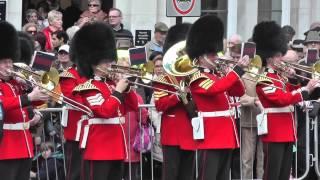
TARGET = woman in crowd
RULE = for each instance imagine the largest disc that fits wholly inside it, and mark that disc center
(94, 12)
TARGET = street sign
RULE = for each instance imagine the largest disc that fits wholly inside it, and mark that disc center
(176, 8)
(142, 37)
(3, 10)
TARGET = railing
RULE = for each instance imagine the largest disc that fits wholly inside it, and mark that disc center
(311, 159)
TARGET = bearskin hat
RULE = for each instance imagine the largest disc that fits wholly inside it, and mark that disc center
(205, 36)
(176, 34)
(269, 39)
(9, 44)
(26, 47)
(91, 44)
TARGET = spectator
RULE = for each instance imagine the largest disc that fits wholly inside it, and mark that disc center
(233, 44)
(40, 41)
(291, 56)
(133, 117)
(49, 165)
(297, 45)
(289, 32)
(94, 12)
(52, 5)
(155, 117)
(71, 14)
(33, 17)
(63, 58)
(71, 31)
(124, 38)
(315, 26)
(312, 40)
(55, 24)
(59, 38)
(160, 33)
(43, 10)
(30, 28)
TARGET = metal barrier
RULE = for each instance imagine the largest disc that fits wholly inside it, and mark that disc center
(53, 140)
(311, 159)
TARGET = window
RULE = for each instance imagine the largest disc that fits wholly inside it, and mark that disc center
(269, 10)
(217, 7)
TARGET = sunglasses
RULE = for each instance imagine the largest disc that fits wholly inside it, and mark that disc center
(93, 5)
(32, 32)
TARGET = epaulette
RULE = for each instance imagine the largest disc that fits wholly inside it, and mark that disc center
(66, 74)
(263, 78)
(162, 78)
(85, 86)
(196, 76)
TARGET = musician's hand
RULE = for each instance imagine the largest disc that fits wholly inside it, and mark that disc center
(225, 69)
(20, 81)
(37, 140)
(122, 85)
(312, 84)
(315, 110)
(38, 94)
(258, 104)
(244, 61)
(246, 100)
(35, 120)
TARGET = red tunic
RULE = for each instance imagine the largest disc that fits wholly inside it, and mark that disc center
(281, 126)
(105, 141)
(68, 81)
(176, 129)
(211, 94)
(15, 144)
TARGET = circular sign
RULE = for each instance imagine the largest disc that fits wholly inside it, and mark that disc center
(183, 6)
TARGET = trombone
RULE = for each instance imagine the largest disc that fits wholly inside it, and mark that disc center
(48, 82)
(134, 72)
(176, 62)
(313, 70)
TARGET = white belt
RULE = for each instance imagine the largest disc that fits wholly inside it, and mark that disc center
(79, 126)
(17, 126)
(216, 113)
(116, 120)
(286, 109)
(95, 121)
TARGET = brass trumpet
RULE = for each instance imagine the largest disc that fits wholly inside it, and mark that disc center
(48, 82)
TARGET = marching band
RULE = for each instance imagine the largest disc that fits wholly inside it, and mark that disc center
(198, 122)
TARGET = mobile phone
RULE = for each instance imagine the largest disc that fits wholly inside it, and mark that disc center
(249, 49)
(312, 56)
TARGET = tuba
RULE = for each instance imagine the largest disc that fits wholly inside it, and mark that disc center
(176, 62)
